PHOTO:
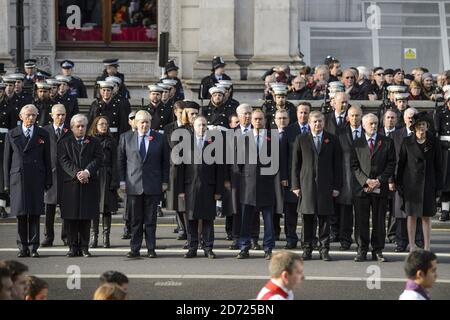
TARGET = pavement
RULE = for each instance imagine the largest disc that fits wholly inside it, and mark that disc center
(170, 276)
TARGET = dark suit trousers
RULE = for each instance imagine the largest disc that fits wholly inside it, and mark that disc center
(335, 221)
(78, 233)
(309, 231)
(229, 224)
(363, 207)
(143, 218)
(401, 235)
(49, 231)
(181, 223)
(248, 216)
(28, 232)
(207, 234)
(345, 214)
(290, 223)
(276, 224)
(391, 220)
(237, 221)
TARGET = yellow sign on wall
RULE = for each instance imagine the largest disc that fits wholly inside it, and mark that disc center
(410, 53)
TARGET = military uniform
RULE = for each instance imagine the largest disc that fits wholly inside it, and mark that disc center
(4, 126)
(117, 112)
(210, 81)
(179, 94)
(15, 104)
(217, 116)
(77, 88)
(161, 116)
(269, 108)
(442, 123)
(45, 112)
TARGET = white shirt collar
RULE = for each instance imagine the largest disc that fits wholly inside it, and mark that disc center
(359, 129)
(318, 135)
(179, 123)
(408, 131)
(262, 132)
(243, 128)
(337, 115)
(24, 129)
(61, 127)
(369, 137)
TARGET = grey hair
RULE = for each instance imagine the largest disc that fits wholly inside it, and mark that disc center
(77, 118)
(243, 108)
(365, 72)
(367, 117)
(410, 112)
(58, 106)
(143, 113)
(28, 107)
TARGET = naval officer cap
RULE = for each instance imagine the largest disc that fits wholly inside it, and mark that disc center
(215, 90)
(401, 96)
(106, 84)
(227, 84)
(395, 89)
(113, 79)
(43, 86)
(170, 82)
(53, 82)
(155, 88)
(17, 76)
(165, 87)
(9, 80)
(64, 79)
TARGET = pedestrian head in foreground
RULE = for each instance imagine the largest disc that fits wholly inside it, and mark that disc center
(421, 270)
(37, 289)
(110, 291)
(115, 277)
(286, 270)
(18, 272)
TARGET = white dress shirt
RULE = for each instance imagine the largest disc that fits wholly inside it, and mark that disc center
(24, 129)
(147, 142)
(374, 137)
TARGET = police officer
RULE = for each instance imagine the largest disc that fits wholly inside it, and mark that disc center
(161, 115)
(44, 104)
(114, 108)
(442, 125)
(112, 70)
(171, 73)
(280, 102)
(218, 73)
(216, 113)
(30, 78)
(4, 125)
(65, 98)
(76, 85)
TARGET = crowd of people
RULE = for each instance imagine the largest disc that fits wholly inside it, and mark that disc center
(341, 170)
(286, 274)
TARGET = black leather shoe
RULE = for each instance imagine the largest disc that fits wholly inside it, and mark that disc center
(378, 256)
(72, 254)
(234, 246)
(325, 256)
(152, 254)
(182, 237)
(133, 254)
(256, 246)
(47, 243)
(290, 246)
(400, 249)
(361, 256)
(126, 236)
(23, 253)
(268, 255)
(445, 216)
(35, 254)
(3, 213)
(307, 254)
(86, 253)
(176, 230)
(420, 244)
(210, 254)
(190, 254)
(243, 255)
(344, 246)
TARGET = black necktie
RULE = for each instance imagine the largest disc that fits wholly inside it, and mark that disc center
(339, 121)
(58, 133)
(80, 142)
(27, 134)
(142, 150)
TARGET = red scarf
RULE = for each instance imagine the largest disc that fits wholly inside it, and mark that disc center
(273, 290)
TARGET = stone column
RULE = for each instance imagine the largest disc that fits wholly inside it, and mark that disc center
(5, 55)
(43, 39)
(275, 36)
(216, 37)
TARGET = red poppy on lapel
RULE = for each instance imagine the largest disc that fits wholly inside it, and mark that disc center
(210, 141)
(65, 130)
(40, 141)
(150, 138)
(379, 143)
(269, 139)
(86, 141)
(326, 141)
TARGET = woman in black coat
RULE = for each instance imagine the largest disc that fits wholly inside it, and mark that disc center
(419, 177)
(201, 185)
(108, 178)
